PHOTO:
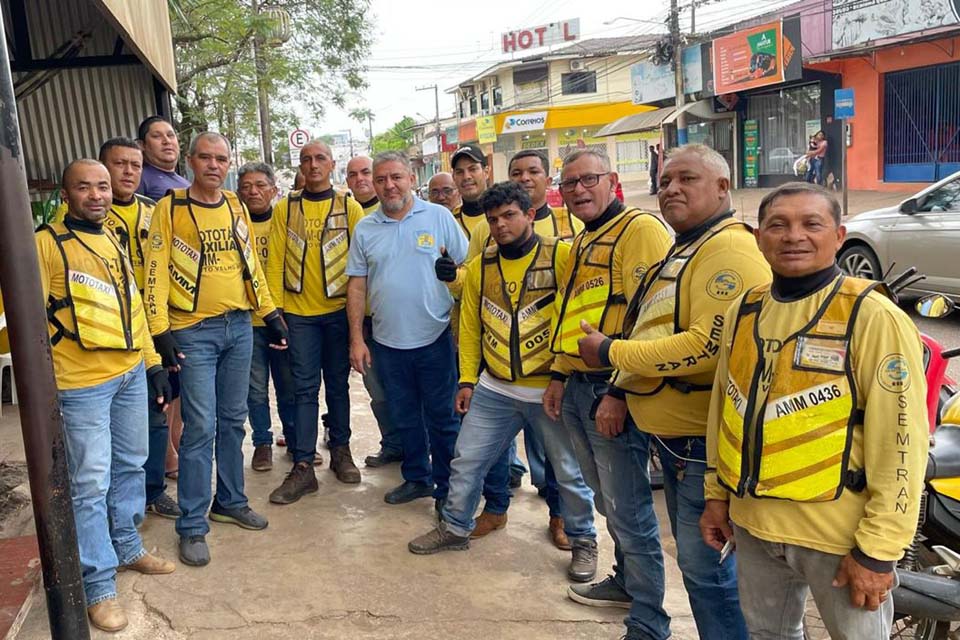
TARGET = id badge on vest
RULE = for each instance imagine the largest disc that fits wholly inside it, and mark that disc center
(672, 269)
(820, 354)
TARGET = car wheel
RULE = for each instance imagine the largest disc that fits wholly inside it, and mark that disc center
(859, 261)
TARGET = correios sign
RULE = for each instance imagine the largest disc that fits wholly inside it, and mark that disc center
(541, 36)
(525, 122)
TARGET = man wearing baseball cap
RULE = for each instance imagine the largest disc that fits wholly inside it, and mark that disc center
(471, 174)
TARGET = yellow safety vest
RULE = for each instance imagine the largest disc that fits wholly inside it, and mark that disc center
(654, 311)
(187, 253)
(132, 239)
(98, 312)
(334, 245)
(591, 294)
(515, 339)
(798, 447)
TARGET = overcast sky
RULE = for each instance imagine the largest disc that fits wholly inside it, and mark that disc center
(420, 42)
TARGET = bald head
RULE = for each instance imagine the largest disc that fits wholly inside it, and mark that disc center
(316, 163)
(86, 190)
(694, 186)
(360, 178)
(443, 191)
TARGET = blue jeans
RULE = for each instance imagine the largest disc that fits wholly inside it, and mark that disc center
(815, 171)
(616, 470)
(269, 363)
(319, 343)
(421, 384)
(489, 427)
(711, 587)
(159, 438)
(105, 435)
(496, 487)
(389, 438)
(214, 380)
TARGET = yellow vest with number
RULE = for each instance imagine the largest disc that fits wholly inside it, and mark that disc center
(591, 294)
(98, 312)
(798, 445)
(334, 244)
(187, 253)
(654, 311)
(516, 339)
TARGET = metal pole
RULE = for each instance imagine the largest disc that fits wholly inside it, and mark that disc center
(36, 385)
(436, 102)
(843, 156)
(369, 133)
(263, 98)
(681, 120)
(693, 17)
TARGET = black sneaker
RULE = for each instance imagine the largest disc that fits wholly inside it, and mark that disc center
(382, 458)
(437, 540)
(408, 491)
(244, 517)
(194, 551)
(299, 482)
(606, 593)
(165, 507)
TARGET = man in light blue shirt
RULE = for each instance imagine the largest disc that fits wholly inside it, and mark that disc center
(392, 265)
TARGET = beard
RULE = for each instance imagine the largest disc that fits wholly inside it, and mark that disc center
(396, 205)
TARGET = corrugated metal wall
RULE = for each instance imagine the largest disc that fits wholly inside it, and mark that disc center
(72, 114)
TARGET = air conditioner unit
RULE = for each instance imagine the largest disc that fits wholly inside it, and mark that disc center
(578, 65)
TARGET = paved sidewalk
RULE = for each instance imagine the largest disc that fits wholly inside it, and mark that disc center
(335, 565)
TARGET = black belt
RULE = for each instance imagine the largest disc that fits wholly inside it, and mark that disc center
(593, 377)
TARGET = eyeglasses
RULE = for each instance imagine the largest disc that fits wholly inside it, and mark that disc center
(446, 192)
(588, 180)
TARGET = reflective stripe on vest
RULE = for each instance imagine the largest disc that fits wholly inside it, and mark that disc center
(104, 313)
(654, 311)
(515, 340)
(187, 253)
(334, 244)
(591, 294)
(797, 446)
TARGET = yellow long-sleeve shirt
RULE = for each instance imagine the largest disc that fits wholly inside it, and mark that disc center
(692, 352)
(643, 244)
(890, 445)
(261, 236)
(221, 273)
(312, 300)
(75, 367)
(471, 326)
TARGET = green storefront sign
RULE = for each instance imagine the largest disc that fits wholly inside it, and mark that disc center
(751, 146)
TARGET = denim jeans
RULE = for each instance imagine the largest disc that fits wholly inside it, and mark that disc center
(105, 435)
(711, 587)
(775, 579)
(269, 363)
(319, 343)
(214, 380)
(159, 438)
(616, 470)
(496, 487)
(389, 438)
(815, 171)
(421, 384)
(491, 424)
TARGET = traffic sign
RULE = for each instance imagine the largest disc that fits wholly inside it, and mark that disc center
(298, 138)
(842, 103)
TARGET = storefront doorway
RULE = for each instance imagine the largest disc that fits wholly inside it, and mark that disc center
(785, 119)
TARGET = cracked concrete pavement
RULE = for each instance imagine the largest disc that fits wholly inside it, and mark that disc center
(335, 565)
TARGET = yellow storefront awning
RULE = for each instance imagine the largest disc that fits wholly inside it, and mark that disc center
(637, 122)
(579, 115)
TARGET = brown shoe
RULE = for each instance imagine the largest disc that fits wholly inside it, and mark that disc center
(299, 482)
(341, 463)
(560, 540)
(317, 460)
(107, 615)
(262, 458)
(150, 565)
(487, 522)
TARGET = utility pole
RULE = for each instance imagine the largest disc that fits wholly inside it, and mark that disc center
(263, 99)
(436, 104)
(676, 40)
(693, 17)
(369, 132)
(40, 419)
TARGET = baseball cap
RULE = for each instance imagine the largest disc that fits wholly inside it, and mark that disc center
(472, 151)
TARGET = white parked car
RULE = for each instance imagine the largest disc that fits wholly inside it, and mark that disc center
(922, 231)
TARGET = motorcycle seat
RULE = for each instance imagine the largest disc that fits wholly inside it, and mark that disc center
(944, 456)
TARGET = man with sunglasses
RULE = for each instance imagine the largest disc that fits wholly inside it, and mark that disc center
(607, 263)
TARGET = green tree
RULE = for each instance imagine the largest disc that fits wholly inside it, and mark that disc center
(399, 137)
(320, 60)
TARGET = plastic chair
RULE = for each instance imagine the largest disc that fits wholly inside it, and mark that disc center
(6, 362)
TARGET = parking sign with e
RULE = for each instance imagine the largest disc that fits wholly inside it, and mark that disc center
(298, 138)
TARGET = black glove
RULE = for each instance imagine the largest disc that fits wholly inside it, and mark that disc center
(276, 329)
(166, 346)
(158, 386)
(445, 267)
